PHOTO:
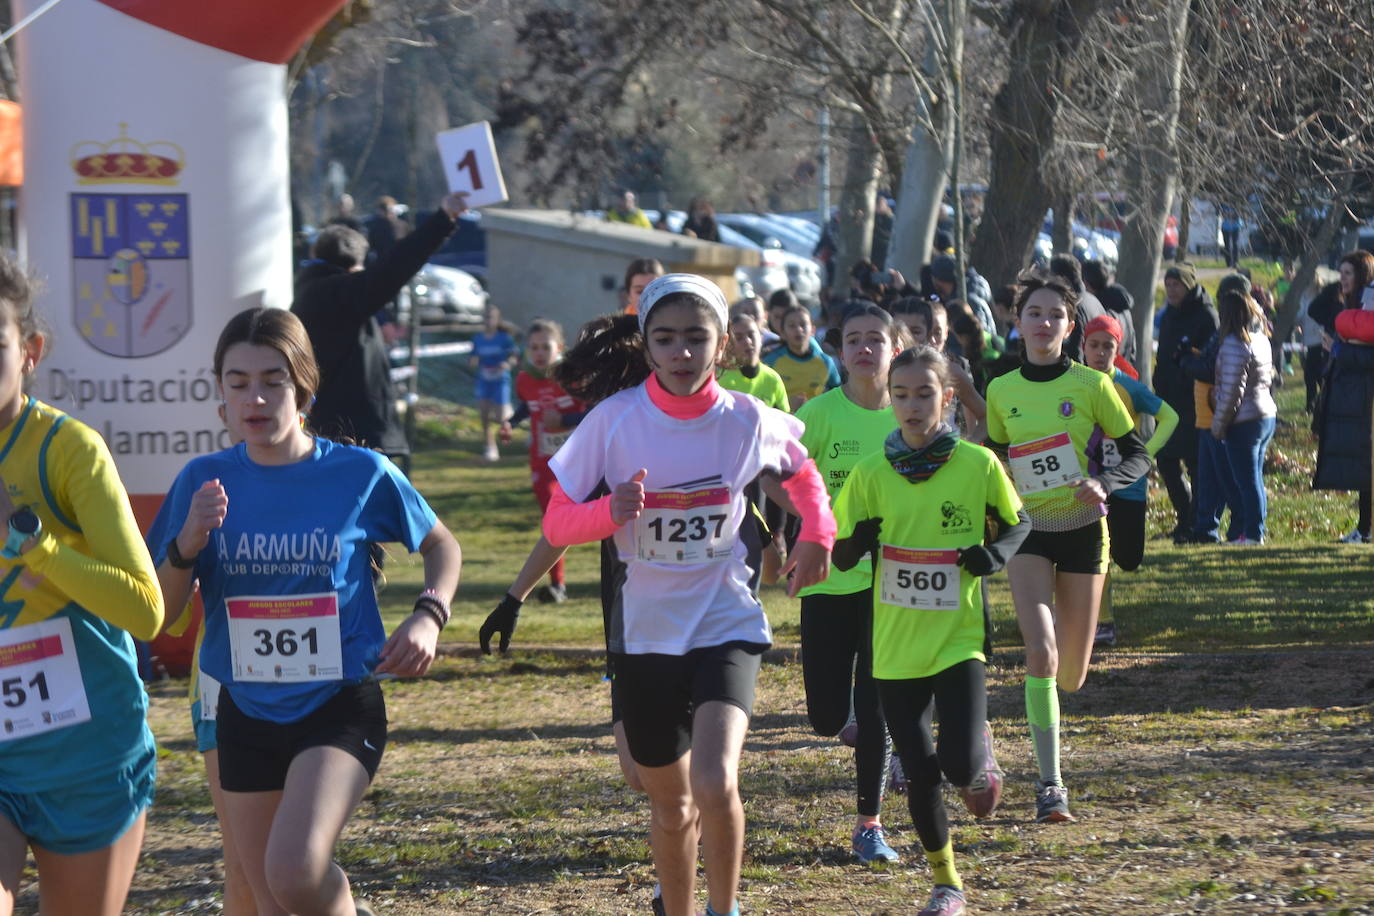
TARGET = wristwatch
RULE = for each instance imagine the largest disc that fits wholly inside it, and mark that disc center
(24, 524)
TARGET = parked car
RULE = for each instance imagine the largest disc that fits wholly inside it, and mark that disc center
(804, 275)
(441, 295)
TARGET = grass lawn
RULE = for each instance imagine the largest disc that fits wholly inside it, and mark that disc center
(1221, 759)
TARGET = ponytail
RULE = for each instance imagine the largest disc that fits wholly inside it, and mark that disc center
(607, 357)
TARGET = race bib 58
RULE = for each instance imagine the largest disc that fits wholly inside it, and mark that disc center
(1043, 464)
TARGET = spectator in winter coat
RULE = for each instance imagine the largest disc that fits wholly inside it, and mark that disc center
(1189, 320)
(1343, 418)
(943, 273)
(337, 300)
(1115, 299)
(1065, 266)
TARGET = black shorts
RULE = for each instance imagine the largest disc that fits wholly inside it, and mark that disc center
(1082, 550)
(254, 754)
(657, 695)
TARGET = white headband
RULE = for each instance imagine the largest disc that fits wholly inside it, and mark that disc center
(668, 284)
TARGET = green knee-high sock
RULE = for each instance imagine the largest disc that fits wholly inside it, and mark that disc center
(1042, 712)
(1104, 613)
(942, 865)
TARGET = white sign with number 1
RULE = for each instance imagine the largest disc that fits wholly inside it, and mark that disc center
(469, 157)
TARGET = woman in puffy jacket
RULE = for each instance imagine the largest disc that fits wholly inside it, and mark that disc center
(1343, 415)
(1243, 418)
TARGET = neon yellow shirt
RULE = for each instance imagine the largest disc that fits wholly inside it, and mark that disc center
(767, 386)
(1022, 411)
(839, 433)
(937, 516)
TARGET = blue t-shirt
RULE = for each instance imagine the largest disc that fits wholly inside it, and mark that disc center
(491, 351)
(1142, 400)
(295, 530)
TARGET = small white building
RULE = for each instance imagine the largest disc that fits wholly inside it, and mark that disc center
(570, 268)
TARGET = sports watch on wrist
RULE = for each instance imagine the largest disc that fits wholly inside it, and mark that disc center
(23, 524)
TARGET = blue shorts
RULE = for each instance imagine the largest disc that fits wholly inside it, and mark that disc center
(496, 390)
(205, 729)
(86, 816)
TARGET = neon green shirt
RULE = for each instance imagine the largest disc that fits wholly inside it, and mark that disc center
(838, 434)
(1021, 412)
(767, 386)
(923, 525)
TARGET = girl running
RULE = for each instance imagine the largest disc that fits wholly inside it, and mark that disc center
(77, 769)
(275, 530)
(805, 369)
(552, 412)
(744, 369)
(843, 426)
(673, 457)
(1102, 339)
(921, 506)
(493, 355)
(1041, 417)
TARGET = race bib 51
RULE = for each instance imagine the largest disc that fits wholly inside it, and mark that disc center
(40, 680)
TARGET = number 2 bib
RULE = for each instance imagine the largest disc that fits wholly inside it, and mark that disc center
(285, 638)
(1043, 464)
(40, 680)
(685, 528)
(926, 580)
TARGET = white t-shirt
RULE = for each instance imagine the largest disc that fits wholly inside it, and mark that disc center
(691, 560)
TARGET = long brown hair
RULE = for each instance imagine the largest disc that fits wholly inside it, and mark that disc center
(1239, 315)
(1362, 263)
(282, 331)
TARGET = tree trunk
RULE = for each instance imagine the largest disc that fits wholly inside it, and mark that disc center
(1022, 123)
(924, 174)
(1151, 179)
(857, 192)
(1062, 236)
(1314, 254)
(1185, 223)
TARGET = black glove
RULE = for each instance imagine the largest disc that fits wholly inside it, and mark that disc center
(978, 560)
(849, 551)
(502, 620)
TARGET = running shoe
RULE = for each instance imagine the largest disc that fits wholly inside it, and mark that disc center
(982, 795)
(658, 901)
(491, 454)
(896, 778)
(944, 901)
(870, 845)
(1354, 537)
(552, 594)
(849, 735)
(1105, 637)
(1051, 804)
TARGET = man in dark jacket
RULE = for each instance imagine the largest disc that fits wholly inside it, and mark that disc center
(337, 300)
(1189, 321)
(1115, 298)
(1066, 268)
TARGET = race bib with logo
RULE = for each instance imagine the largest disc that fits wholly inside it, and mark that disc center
(285, 638)
(926, 580)
(1043, 464)
(685, 528)
(40, 680)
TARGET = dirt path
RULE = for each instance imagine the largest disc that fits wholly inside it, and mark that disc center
(1230, 784)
